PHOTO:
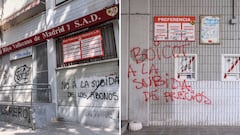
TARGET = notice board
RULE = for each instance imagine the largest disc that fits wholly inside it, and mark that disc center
(209, 30)
(174, 28)
(84, 46)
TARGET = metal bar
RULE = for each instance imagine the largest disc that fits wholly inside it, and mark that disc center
(233, 10)
(31, 99)
(15, 89)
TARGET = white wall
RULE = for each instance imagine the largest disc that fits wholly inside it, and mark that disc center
(219, 100)
(9, 9)
(25, 29)
(75, 9)
(135, 25)
(52, 17)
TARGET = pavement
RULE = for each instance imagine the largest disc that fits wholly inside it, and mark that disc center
(208, 130)
(57, 128)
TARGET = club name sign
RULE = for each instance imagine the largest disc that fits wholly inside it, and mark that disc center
(80, 23)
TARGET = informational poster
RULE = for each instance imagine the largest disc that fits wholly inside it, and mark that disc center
(230, 67)
(209, 32)
(84, 46)
(174, 28)
(174, 31)
(91, 44)
(71, 49)
(186, 67)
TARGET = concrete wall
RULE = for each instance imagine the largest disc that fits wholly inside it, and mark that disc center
(44, 114)
(9, 10)
(16, 114)
(213, 102)
(25, 29)
(135, 27)
(4, 74)
(108, 115)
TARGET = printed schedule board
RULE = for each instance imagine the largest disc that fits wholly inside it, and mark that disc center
(174, 28)
(84, 46)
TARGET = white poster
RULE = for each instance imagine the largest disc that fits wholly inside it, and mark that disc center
(210, 33)
(188, 31)
(161, 31)
(174, 31)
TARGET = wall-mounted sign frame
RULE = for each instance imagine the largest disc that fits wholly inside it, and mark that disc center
(186, 67)
(230, 67)
(174, 28)
(210, 30)
(26, 52)
(83, 46)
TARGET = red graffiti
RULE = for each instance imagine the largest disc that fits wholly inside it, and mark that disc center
(188, 94)
(151, 95)
(149, 76)
(154, 80)
(144, 70)
(140, 55)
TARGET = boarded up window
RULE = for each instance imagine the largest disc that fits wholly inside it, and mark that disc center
(186, 67)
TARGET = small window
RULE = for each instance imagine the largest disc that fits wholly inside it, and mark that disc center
(186, 67)
(59, 2)
(231, 67)
(87, 46)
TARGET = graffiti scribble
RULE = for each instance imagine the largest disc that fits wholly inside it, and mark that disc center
(22, 74)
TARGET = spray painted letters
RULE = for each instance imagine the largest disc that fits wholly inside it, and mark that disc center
(143, 75)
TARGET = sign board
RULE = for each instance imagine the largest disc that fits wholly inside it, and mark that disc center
(209, 30)
(230, 67)
(174, 28)
(84, 46)
(186, 67)
(21, 53)
(77, 24)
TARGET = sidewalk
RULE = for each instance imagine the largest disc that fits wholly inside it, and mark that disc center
(201, 130)
(59, 128)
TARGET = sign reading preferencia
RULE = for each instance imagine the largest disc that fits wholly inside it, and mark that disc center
(174, 28)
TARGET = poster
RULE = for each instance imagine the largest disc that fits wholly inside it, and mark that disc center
(91, 44)
(84, 46)
(174, 28)
(209, 30)
(174, 31)
(71, 49)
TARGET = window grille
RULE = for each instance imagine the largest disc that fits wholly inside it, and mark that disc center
(108, 43)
